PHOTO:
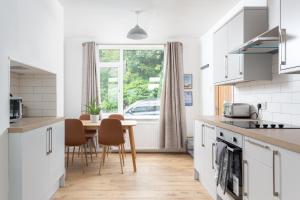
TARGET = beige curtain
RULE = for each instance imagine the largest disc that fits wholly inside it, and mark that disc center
(172, 111)
(90, 81)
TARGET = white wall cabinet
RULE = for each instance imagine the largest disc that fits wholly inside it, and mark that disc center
(290, 37)
(270, 172)
(204, 150)
(36, 162)
(233, 68)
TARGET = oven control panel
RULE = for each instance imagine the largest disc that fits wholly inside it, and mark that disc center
(231, 137)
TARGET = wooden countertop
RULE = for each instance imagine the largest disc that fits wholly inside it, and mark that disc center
(28, 124)
(285, 138)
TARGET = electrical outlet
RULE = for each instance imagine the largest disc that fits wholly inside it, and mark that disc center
(264, 105)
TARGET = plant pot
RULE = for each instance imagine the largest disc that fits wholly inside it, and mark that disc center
(94, 118)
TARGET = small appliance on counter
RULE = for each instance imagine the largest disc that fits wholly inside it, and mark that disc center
(237, 110)
(15, 109)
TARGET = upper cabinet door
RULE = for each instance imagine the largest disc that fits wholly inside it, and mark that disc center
(235, 39)
(220, 60)
(290, 37)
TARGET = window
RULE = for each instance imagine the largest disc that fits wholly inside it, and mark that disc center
(130, 79)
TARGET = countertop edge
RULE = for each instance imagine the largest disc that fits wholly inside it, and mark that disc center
(34, 125)
(250, 133)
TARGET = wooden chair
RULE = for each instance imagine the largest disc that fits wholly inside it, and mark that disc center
(91, 136)
(75, 137)
(111, 134)
(119, 117)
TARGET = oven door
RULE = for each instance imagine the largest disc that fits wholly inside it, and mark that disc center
(233, 167)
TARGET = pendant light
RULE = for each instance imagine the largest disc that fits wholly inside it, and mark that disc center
(137, 33)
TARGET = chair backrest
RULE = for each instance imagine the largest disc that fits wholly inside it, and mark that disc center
(74, 132)
(116, 116)
(111, 132)
(84, 117)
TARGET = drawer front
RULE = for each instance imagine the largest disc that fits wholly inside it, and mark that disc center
(259, 151)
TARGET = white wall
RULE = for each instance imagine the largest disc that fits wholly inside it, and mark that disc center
(164, 21)
(73, 76)
(31, 33)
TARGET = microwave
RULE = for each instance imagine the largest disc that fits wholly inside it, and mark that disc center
(15, 109)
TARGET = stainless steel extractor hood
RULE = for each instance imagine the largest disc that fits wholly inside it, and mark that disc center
(266, 43)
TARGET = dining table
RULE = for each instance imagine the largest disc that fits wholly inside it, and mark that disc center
(127, 125)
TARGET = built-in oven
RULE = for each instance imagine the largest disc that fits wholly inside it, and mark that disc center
(229, 165)
(15, 109)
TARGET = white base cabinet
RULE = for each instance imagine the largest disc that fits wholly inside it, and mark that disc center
(270, 172)
(36, 162)
(204, 155)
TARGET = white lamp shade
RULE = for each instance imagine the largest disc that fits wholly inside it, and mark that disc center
(137, 33)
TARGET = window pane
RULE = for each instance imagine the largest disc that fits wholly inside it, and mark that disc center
(109, 89)
(109, 55)
(142, 82)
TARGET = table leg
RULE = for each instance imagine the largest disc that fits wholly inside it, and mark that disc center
(132, 146)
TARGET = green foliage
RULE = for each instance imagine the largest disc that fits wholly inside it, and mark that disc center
(109, 55)
(140, 66)
(93, 108)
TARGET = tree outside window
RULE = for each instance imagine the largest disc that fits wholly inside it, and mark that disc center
(130, 80)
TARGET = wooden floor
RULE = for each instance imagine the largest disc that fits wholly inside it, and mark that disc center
(159, 176)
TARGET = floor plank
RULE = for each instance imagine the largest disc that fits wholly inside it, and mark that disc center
(159, 176)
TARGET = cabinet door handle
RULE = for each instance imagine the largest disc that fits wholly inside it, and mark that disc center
(240, 71)
(210, 127)
(257, 144)
(47, 141)
(202, 136)
(245, 163)
(226, 66)
(283, 46)
(50, 150)
(275, 194)
(213, 155)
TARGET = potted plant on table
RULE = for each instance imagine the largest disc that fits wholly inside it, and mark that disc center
(93, 108)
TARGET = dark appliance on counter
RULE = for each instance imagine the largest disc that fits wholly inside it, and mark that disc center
(15, 109)
(229, 165)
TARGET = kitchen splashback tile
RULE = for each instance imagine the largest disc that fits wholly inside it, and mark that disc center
(282, 96)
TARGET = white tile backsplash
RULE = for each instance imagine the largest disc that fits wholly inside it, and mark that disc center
(282, 95)
(38, 93)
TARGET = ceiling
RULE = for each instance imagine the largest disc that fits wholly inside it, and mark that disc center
(110, 20)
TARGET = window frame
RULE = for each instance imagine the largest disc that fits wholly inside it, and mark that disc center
(120, 66)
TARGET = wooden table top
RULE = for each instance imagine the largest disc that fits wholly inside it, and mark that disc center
(125, 123)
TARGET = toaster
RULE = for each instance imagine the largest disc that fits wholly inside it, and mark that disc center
(236, 110)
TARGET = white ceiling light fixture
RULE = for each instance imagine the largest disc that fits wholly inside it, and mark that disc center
(137, 33)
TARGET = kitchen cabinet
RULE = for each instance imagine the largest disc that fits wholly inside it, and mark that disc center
(220, 55)
(270, 172)
(204, 155)
(232, 68)
(36, 162)
(287, 176)
(289, 60)
(257, 171)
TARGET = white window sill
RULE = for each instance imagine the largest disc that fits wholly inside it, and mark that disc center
(145, 117)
